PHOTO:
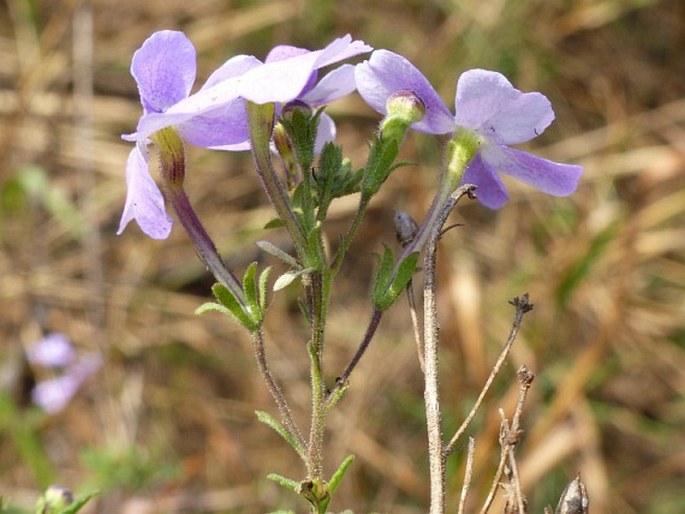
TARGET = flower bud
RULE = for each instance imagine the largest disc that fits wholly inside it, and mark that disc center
(54, 500)
(403, 108)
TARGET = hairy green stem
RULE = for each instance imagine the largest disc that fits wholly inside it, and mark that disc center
(260, 125)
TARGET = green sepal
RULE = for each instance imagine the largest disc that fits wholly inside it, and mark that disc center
(379, 165)
(278, 427)
(316, 493)
(302, 126)
(288, 483)
(334, 178)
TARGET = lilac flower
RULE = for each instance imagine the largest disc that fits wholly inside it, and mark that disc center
(52, 351)
(334, 85)
(489, 107)
(164, 69)
(55, 352)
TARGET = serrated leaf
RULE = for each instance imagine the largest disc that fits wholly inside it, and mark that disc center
(274, 250)
(288, 483)
(277, 427)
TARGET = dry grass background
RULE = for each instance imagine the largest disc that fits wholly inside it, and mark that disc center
(169, 426)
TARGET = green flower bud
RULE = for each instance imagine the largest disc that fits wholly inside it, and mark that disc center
(404, 108)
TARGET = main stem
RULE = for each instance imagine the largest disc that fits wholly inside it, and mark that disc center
(436, 456)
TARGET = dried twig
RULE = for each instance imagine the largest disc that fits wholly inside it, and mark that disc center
(523, 306)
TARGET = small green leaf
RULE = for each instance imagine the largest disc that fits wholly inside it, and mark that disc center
(293, 485)
(232, 307)
(276, 425)
(390, 284)
(383, 275)
(250, 287)
(274, 223)
(263, 279)
(405, 272)
(339, 474)
(274, 250)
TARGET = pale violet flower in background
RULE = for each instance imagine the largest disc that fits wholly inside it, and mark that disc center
(52, 351)
(487, 105)
(214, 117)
(56, 353)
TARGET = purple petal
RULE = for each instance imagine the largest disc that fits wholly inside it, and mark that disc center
(547, 176)
(53, 351)
(219, 127)
(164, 69)
(221, 91)
(52, 395)
(232, 68)
(278, 81)
(336, 84)
(144, 200)
(490, 188)
(280, 52)
(386, 73)
(339, 50)
(487, 103)
(283, 80)
(325, 133)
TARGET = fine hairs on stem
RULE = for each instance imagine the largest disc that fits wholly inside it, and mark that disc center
(437, 449)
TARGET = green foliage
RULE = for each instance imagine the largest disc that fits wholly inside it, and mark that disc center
(21, 430)
(250, 315)
(31, 185)
(380, 164)
(272, 422)
(391, 280)
(133, 468)
(581, 268)
(334, 178)
(317, 492)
